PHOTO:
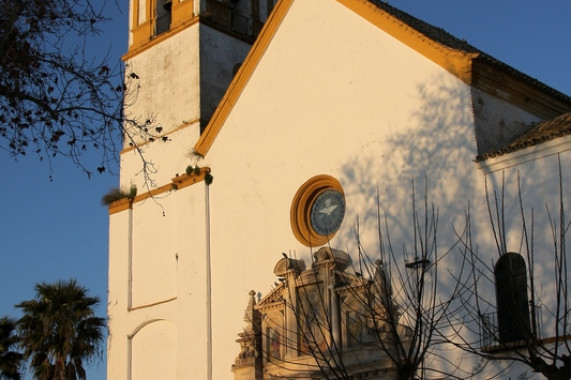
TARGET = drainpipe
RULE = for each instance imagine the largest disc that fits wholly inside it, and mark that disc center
(208, 288)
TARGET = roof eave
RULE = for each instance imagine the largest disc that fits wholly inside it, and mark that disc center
(504, 82)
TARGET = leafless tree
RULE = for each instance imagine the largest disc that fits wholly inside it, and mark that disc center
(510, 329)
(56, 97)
(378, 317)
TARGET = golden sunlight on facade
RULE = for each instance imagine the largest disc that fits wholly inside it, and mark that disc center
(299, 126)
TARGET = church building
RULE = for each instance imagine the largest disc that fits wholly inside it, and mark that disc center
(266, 132)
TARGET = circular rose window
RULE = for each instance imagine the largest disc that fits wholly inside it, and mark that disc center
(317, 210)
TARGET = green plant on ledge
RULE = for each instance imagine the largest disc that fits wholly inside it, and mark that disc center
(117, 193)
(192, 169)
(208, 178)
(195, 169)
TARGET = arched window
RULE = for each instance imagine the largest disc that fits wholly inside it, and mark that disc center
(511, 298)
(274, 336)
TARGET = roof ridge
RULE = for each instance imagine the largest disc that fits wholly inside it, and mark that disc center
(431, 31)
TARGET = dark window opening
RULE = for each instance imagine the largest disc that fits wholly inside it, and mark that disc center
(163, 13)
(512, 299)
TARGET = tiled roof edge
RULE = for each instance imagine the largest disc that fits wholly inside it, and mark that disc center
(446, 39)
(540, 132)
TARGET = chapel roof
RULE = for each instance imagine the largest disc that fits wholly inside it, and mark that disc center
(434, 33)
(540, 132)
(473, 66)
(444, 38)
(537, 133)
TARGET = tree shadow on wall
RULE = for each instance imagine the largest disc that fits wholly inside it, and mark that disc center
(431, 158)
(437, 146)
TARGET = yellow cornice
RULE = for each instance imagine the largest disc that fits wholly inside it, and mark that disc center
(154, 192)
(455, 61)
(462, 64)
(177, 183)
(120, 205)
(242, 76)
(133, 51)
(466, 66)
(184, 180)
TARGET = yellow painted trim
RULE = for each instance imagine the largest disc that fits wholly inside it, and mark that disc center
(177, 183)
(242, 77)
(457, 62)
(185, 180)
(137, 48)
(120, 205)
(153, 193)
(182, 12)
(135, 15)
(464, 65)
(300, 218)
(144, 33)
(141, 32)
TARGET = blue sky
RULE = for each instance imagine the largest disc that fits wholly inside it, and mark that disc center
(57, 229)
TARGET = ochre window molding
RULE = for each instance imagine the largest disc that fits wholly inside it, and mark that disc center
(144, 28)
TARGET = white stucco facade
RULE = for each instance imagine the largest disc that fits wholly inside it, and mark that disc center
(330, 93)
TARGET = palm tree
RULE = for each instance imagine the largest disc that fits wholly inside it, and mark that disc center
(59, 330)
(10, 360)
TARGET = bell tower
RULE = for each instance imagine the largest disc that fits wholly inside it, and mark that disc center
(182, 56)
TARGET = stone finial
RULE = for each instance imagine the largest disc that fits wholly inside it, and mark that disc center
(249, 339)
(341, 259)
(250, 314)
(286, 264)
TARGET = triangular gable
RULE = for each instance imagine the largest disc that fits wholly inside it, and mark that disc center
(273, 298)
(242, 76)
(456, 56)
